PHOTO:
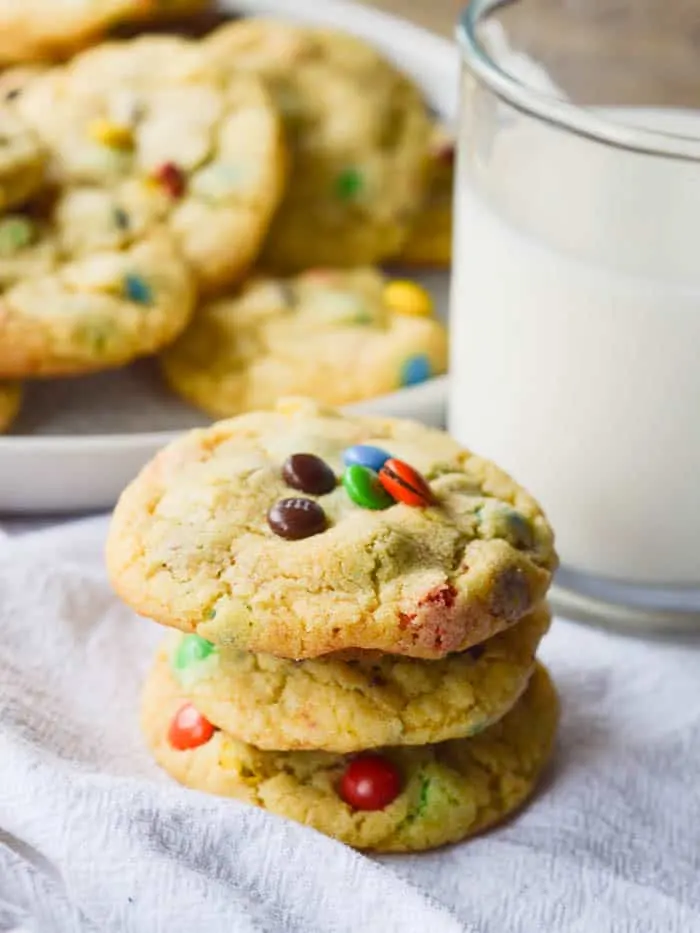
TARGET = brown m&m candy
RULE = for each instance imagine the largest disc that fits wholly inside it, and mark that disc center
(296, 518)
(308, 473)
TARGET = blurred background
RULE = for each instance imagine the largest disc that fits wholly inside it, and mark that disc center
(438, 15)
(644, 50)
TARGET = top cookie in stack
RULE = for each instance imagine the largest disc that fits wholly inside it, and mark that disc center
(243, 534)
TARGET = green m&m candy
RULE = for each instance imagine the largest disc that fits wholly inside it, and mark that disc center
(192, 649)
(348, 184)
(364, 488)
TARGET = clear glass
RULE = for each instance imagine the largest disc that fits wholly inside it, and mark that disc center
(575, 321)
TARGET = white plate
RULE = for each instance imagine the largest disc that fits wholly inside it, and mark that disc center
(78, 442)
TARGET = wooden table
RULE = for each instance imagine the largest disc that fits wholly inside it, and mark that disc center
(635, 52)
(438, 15)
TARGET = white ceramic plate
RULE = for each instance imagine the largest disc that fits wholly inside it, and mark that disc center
(78, 442)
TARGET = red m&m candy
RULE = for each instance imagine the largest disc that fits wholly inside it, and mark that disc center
(189, 729)
(370, 782)
(405, 484)
(172, 178)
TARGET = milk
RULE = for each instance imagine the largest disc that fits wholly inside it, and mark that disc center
(575, 334)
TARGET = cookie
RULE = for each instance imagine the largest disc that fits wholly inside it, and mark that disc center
(164, 139)
(418, 797)
(22, 160)
(336, 336)
(358, 132)
(60, 315)
(10, 400)
(13, 81)
(43, 29)
(430, 240)
(235, 533)
(142, 62)
(365, 700)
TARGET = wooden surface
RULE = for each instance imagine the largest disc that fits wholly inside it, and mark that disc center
(438, 15)
(634, 52)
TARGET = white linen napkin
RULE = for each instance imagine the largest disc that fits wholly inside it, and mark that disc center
(94, 838)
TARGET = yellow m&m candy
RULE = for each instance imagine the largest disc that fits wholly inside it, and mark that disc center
(114, 135)
(405, 297)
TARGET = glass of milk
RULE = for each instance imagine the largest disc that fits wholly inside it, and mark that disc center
(575, 307)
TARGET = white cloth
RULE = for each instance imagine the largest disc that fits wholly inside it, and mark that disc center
(94, 838)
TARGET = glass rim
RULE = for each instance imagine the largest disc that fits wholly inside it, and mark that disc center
(559, 112)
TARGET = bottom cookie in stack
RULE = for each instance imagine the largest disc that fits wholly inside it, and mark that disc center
(381, 752)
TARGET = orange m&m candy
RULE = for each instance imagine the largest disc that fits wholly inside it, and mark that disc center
(405, 484)
(189, 729)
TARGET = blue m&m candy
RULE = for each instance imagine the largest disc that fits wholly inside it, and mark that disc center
(137, 289)
(416, 369)
(365, 455)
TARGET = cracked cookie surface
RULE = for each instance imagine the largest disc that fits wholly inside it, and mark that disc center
(448, 791)
(328, 334)
(45, 29)
(190, 544)
(358, 702)
(164, 139)
(358, 134)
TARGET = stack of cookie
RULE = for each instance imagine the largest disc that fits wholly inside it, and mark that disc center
(359, 603)
(230, 193)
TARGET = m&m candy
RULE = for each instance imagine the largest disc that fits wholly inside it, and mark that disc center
(405, 297)
(111, 134)
(518, 529)
(348, 184)
(120, 218)
(137, 289)
(364, 488)
(370, 782)
(416, 369)
(308, 473)
(296, 518)
(189, 729)
(191, 649)
(365, 455)
(16, 233)
(404, 483)
(172, 178)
